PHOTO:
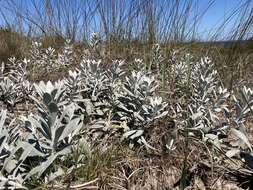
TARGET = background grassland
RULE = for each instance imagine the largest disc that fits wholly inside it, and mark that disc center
(129, 28)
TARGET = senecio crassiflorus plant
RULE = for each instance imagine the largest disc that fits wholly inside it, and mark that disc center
(90, 99)
(96, 100)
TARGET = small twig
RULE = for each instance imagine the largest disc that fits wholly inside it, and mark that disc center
(134, 173)
(85, 184)
(80, 186)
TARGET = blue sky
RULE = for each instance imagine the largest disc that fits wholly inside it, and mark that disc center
(216, 14)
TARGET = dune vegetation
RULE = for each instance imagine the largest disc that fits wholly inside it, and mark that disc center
(124, 95)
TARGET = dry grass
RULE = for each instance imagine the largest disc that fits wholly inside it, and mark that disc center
(11, 44)
(141, 170)
(120, 168)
